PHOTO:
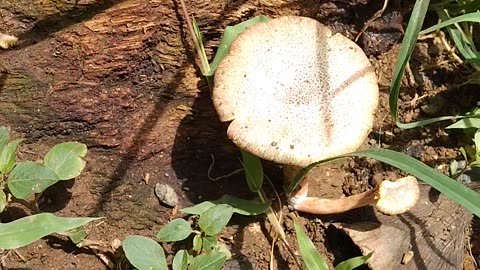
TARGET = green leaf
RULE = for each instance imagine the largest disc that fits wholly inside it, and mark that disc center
(180, 261)
(471, 17)
(76, 235)
(4, 137)
(240, 206)
(446, 185)
(3, 201)
(208, 261)
(243, 207)
(65, 159)
(215, 219)
(24, 231)
(30, 177)
(199, 208)
(253, 171)
(463, 42)
(209, 242)
(311, 257)
(8, 156)
(466, 123)
(230, 34)
(222, 247)
(353, 262)
(176, 230)
(197, 243)
(406, 49)
(144, 253)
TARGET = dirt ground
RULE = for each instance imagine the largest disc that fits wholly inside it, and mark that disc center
(120, 76)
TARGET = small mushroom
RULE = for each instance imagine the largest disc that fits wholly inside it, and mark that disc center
(390, 197)
(7, 41)
(296, 93)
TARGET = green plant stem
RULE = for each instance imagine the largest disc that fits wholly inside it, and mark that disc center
(272, 218)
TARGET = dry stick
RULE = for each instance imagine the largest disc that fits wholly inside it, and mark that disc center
(214, 179)
(204, 67)
(373, 18)
(278, 228)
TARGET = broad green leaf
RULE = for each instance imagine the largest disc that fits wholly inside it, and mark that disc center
(144, 253)
(310, 255)
(253, 171)
(199, 208)
(208, 261)
(76, 235)
(240, 206)
(215, 219)
(222, 247)
(476, 141)
(465, 123)
(29, 177)
(471, 17)
(65, 159)
(24, 231)
(8, 156)
(3, 201)
(353, 262)
(243, 207)
(4, 137)
(448, 186)
(180, 261)
(197, 243)
(176, 230)
(209, 242)
(406, 49)
(230, 34)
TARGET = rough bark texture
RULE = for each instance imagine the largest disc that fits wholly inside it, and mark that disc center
(120, 77)
(433, 232)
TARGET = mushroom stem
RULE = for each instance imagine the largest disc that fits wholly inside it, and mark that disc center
(315, 205)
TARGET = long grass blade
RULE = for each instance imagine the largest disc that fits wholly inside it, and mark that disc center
(471, 17)
(408, 43)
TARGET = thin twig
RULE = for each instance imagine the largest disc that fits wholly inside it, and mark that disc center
(278, 228)
(222, 176)
(204, 67)
(375, 16)
(280, 215)
(272, 248)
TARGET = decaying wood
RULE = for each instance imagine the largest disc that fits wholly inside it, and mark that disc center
(433, 232)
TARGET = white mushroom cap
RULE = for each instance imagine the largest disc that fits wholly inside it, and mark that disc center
(397, 197)
(295, 92)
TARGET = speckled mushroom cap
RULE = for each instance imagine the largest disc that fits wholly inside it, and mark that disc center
(397, 197)
(295, 92)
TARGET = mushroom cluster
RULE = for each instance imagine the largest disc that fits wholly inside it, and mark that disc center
(296, 93)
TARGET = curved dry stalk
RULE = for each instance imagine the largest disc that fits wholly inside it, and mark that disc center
(214, 179)
(373, 18)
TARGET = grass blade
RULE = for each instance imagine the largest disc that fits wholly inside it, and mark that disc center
(471, 17)
(353, 262)
(408, 43)
(310, 255)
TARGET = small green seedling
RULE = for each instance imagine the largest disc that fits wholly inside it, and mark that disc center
(314, 261)
(470, 152)
(206, 251)
(20, 180)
